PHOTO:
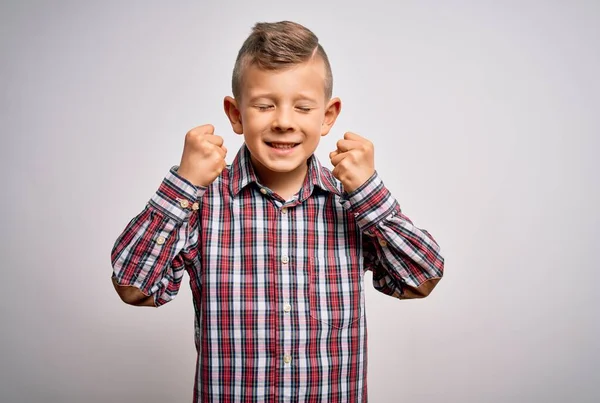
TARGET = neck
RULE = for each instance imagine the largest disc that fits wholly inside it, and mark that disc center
(285, 184)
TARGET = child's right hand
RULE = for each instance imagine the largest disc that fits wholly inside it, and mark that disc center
(203, 157)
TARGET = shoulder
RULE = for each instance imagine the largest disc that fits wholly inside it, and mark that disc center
(221, 184)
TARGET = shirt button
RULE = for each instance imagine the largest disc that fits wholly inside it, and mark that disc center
(287, 308)
(284, 211)
(287, 358)
(184, 203)
(263, 191)
(160, 240)
(285, 259)
(382, 242)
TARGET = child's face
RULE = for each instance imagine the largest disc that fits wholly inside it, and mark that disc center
(283, 114)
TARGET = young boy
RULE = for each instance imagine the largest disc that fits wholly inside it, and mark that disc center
(275, 244)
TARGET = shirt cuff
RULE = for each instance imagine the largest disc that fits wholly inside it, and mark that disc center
(372, 202)
(177, 197)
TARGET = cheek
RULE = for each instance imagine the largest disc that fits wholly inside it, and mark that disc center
(254, 121)
(314, 124)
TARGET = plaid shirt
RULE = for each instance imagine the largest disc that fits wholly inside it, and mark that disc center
(277, 285)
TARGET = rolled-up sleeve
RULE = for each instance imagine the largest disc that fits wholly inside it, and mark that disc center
(405, 260)
(155, 247)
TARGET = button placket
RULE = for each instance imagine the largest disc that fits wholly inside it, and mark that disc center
(286, 275)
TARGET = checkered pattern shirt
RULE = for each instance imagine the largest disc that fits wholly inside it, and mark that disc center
(277, 285)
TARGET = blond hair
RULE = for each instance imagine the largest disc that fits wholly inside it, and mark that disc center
(278, 45)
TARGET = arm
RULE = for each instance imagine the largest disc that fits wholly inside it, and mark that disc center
(405, 260)
(150, 255)
(132, 295)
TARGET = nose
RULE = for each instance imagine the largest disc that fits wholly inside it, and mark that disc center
(283, 120)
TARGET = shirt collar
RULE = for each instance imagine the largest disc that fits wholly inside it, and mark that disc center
(242, 174)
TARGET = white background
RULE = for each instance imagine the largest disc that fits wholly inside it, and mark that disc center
(484, 116)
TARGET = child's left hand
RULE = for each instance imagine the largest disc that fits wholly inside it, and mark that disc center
(353, 161)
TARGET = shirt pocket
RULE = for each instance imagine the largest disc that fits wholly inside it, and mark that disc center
(335, 291)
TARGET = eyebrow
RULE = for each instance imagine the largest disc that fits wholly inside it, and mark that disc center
(300, 97)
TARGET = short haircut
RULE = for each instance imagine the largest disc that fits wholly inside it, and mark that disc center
(279, 45)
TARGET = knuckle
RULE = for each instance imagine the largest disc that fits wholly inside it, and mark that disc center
(206, 129)
(189, 135)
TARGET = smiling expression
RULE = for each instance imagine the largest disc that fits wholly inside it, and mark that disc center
(282, 115)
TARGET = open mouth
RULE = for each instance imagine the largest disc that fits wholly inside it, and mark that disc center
(282, 146)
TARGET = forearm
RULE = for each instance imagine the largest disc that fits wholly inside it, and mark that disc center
(148, 257)
(405, 260)
(132, 295)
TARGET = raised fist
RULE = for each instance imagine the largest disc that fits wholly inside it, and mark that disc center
(203, 157)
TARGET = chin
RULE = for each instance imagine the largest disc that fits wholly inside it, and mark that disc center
(280, 165)
(283, 166)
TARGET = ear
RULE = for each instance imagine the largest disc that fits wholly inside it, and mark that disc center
(233, 113)
(332, 110)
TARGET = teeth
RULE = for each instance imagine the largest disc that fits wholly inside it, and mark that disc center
(280, 145)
